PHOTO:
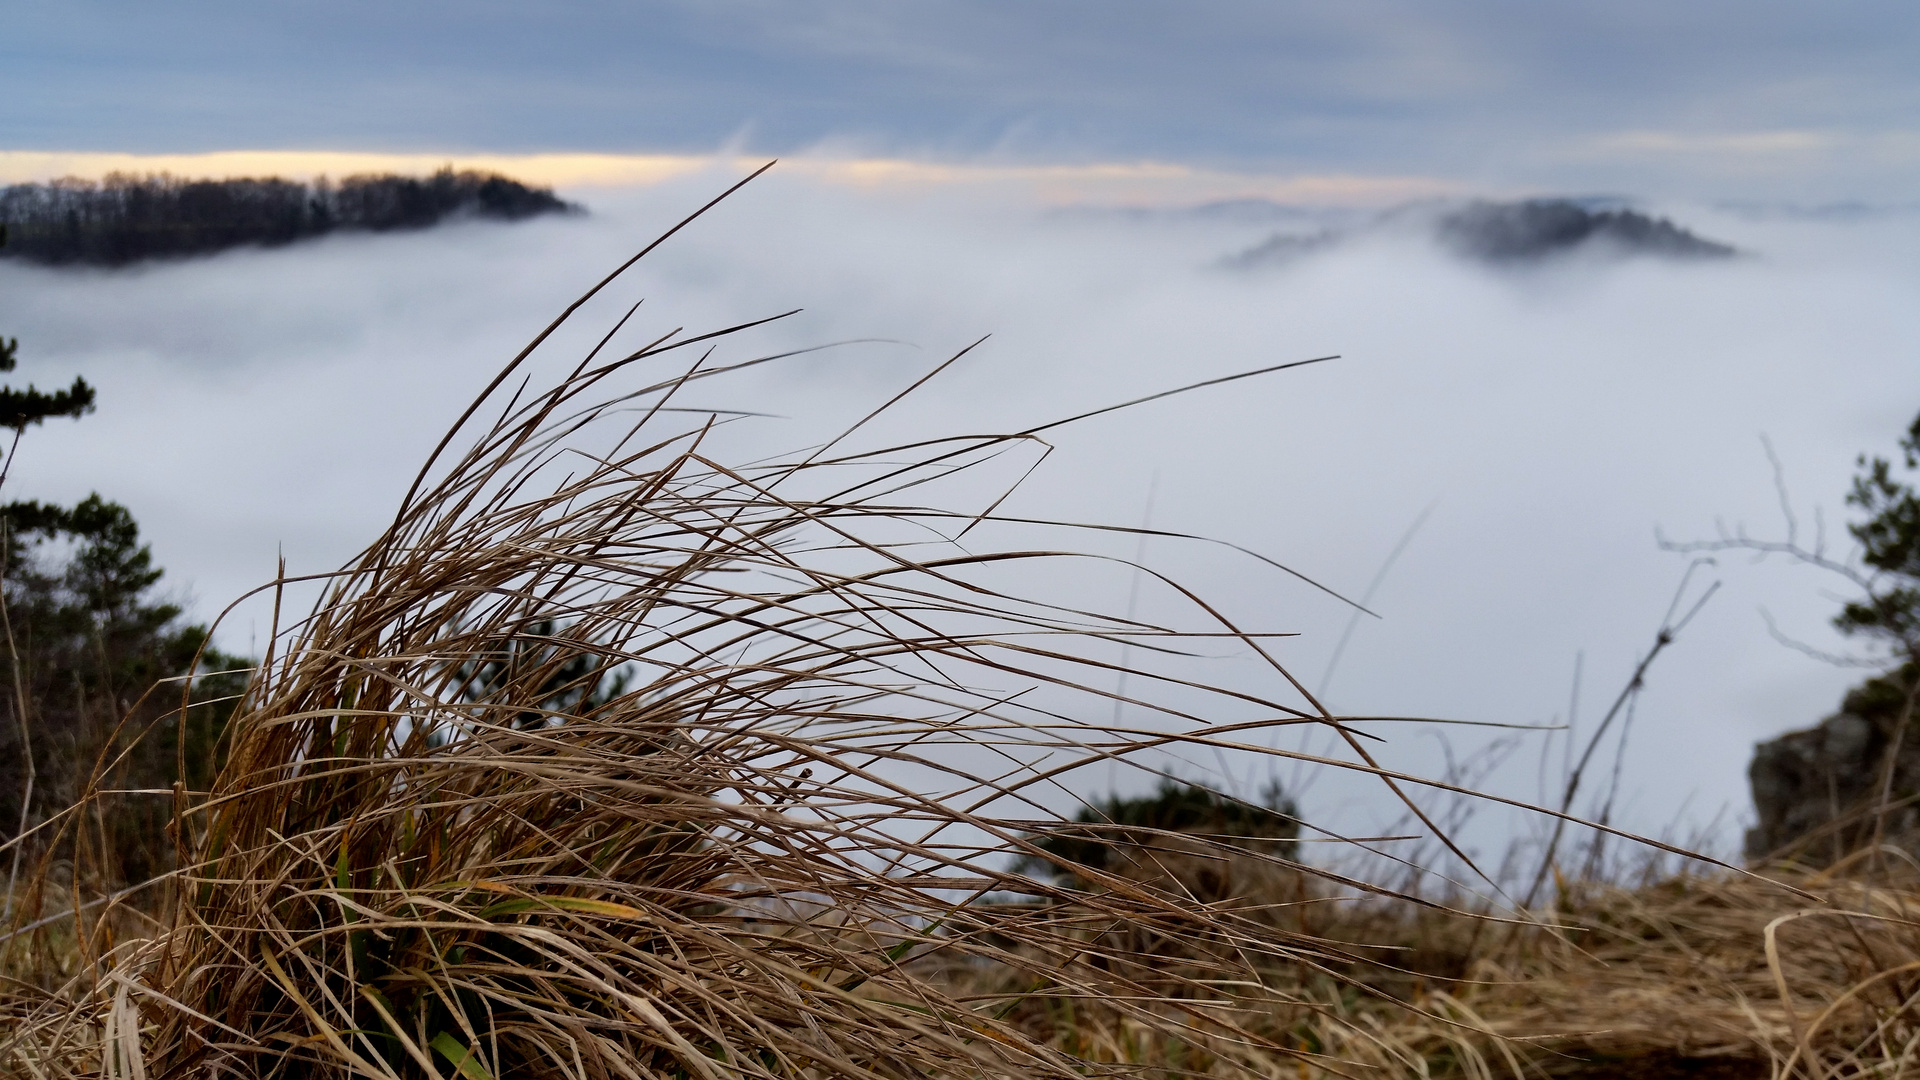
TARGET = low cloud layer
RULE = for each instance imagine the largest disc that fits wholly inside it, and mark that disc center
(1540, 422)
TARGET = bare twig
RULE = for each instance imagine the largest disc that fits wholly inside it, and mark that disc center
(1669, 629)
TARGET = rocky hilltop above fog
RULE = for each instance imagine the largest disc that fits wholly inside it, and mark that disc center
(1529, 231)
(125, 219)
(1538, 228)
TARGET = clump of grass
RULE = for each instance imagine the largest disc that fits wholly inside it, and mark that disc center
(613, 758)
(1697, 975)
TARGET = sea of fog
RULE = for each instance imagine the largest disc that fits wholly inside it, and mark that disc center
(1517, 433)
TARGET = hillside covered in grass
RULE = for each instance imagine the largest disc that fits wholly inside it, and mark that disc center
(125, 219)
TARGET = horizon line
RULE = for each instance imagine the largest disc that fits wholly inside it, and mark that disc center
(1143, 181)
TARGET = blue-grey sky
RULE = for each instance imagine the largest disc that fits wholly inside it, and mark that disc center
(1714, 98)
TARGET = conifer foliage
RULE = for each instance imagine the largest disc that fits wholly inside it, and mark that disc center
(1889, 539)
(20, 409)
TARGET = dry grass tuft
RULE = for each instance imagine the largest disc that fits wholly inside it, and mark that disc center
(614, 759)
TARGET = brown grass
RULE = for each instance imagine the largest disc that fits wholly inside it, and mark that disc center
(1721, 975)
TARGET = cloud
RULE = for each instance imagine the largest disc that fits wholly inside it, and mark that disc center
(269, 403)
(28, 166)
(1744, 144)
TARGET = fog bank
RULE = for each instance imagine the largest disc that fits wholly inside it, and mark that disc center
(1545, 419)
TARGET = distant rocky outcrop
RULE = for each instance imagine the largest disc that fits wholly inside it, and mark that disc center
(1818, 792)
(1528, 232)
(1508, 232)
(124, 219)
(1282, 247)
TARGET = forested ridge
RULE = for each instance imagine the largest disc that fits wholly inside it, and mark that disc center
(124, 218)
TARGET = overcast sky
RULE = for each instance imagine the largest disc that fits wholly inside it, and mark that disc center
(1715, 98)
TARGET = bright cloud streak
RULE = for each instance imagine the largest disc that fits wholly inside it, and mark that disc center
(1111, 183)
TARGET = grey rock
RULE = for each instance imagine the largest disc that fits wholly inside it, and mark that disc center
(1825, 792)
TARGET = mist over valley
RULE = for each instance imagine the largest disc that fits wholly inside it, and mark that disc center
(1538, 417)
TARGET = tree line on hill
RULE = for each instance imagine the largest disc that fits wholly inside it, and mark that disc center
(124, 218)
